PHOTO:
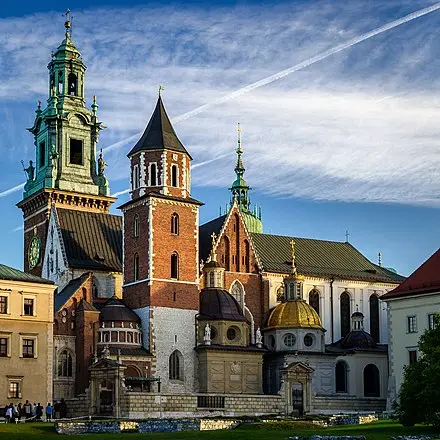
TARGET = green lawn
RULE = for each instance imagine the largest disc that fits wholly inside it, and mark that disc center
(382, 430)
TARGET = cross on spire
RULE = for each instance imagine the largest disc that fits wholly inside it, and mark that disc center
(68, 24)
(347, 236)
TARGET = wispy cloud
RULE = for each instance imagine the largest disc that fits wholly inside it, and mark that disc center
(359, 126)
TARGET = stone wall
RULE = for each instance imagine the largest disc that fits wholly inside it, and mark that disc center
(346, 404)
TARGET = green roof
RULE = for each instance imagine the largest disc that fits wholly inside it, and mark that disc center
(319, 258)
(11, 274)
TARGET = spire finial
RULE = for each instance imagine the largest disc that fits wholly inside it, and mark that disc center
(68, 23)
(213, 240)
(347, 236)
(239, 149)
(379, 259)
(160, 90)
(94, 106)
(292, 244)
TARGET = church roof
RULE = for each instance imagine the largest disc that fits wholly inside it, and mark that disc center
(64, 295)
(116, 310)
(216, 303)
(425, 279)
(294, 314)
(92, 240)
(159, 134)
(205, 231)
(318, 258)
(11, 274)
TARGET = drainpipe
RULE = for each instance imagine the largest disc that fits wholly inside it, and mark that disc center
(332, 331)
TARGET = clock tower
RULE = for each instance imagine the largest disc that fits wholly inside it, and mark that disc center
(64, 171)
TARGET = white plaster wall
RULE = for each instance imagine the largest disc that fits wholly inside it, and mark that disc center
(400, 340)
(359, 291)
(144, 314)
(167, 325)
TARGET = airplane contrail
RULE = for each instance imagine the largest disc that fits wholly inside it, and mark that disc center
(6, 192)
(282, 74)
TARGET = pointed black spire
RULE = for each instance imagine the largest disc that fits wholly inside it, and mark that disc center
(159, 134)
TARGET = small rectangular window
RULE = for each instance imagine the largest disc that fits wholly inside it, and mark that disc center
(3, 347)
(42, 154)
(412, 356)
(76, 152)
(28, 307)
(3, 304)
(412, 324)
(431, 323)
(28, 348)
(14, 390)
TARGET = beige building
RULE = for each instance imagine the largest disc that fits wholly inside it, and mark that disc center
(26, 337)
(411, 309)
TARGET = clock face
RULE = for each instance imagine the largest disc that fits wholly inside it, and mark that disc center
(34, 252)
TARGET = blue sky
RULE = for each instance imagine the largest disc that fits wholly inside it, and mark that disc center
(350, 142)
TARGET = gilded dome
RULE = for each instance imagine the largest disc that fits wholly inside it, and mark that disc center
(294, 314)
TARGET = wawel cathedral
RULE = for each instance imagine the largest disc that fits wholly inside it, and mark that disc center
(152, 302)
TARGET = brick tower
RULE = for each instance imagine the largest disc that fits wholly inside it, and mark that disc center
(65, 172)
(161, 276)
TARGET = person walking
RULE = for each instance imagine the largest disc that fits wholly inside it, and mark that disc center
(9, 414)
(39, 412)
(49, 411)
(56, 409)
(27, 409)
(20, 411)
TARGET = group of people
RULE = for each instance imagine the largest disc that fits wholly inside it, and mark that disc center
(28, 412)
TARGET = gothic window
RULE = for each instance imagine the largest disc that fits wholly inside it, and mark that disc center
(76, 151)
(42, 152)
(176, 365)
(136, 226)
(65, 364)
(371, 381)
(72, 84)
(280, 293)
(314, 299)
(135, 177)
(374, 317)
(175, 224)
(153, 175)
(344, 304)
(174, 266)
(227, 253)
(136, 267)
(247, 256)
(174, 176)
(238, 293)
(341, 372)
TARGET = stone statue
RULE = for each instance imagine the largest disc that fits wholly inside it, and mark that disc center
(258, 337)
(207, 337)
(30, 170)
(101, 164)
(106, 352)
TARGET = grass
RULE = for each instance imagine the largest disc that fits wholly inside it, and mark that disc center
(382, 430)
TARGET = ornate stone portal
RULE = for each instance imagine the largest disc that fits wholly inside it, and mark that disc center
(297, 388)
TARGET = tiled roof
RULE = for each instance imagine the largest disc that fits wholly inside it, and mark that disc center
(159, 134)
(425, 279)
(93, 241)
(318, 258)
(64, 295)
(11, 274)
(205, 231)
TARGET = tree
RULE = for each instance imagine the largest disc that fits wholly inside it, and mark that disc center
(419, 396)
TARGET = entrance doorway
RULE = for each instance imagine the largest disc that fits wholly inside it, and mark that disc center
(298, 399)
(105, 398)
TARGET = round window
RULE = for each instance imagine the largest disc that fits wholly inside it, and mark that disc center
(289, 340)
(308, 340)
(231, 334)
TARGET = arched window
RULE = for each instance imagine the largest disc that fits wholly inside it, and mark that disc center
(136, 226)
(314, 299)
(136, 267)
(65, 364)
(227, 253)
(175, 224)
(153, 174)
(135, 177)
(238, 293)
(344, 305)
(72, 85)
(60, 83)
(280, 293)
(174, 176)
(211, 279)
(374, 317)
(176, 365)
(341, 373)
(174, 266)
(371, 381)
